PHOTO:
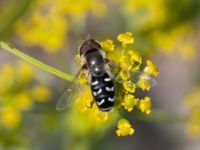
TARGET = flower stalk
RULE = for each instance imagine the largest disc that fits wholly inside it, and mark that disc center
(36, 62)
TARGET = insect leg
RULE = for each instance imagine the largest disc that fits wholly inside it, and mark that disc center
(91, 104)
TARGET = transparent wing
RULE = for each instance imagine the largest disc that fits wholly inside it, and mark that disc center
(135, 76)
(70, 93)
(139, 75)
(65, 100)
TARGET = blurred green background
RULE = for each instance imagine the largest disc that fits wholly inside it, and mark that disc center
(167, 31)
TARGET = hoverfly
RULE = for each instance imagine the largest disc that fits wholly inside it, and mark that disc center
(100, 77)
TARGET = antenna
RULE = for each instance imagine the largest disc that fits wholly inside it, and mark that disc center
(88, 37)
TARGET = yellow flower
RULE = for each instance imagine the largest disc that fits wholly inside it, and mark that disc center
(90, 121)
(83, 79)
(84, 100)
(192, 103)
(194, 122)
(108, 45)
(124, 128)
(129, 86)
(41, 93)
(130, 61)
(7, 71)
(25, 72)
(79, 11)
(15, 96)
(174, 41)
(48, 29)
(126, 38)
(193, 129)
(188, 50)
(149, 17)
(192, 100)
(135, 59)
(151, 68)
(7, 77)
(49, 24)
(124, 75)
(10, 117)
(144, 83)
(78, 59)
(125, 62)
(145, 105)
(129, 102)
(23, 101)
(101, 116)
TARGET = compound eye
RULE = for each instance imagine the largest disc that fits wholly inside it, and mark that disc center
(84, 49)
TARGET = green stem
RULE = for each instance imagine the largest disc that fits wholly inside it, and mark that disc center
(36, 62)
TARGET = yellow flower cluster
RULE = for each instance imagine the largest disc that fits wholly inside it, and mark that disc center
(152, 18)
(127, 70)
(148, 14)
(89, 118)
(84, 100)
(175, 41)
(48, 21)
(132, 60)
(192, 103)
(15, 93)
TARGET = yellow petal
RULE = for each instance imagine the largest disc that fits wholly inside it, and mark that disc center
(124, 128)
(126, 38)
(84, 100)
(144, 84)
(151, 68)
(107, 45)
(145, 105)
(124, 75)
(129, 86)
(129, 102)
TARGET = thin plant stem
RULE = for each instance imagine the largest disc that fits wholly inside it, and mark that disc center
(36, 62)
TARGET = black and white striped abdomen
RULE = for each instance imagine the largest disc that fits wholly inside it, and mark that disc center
(103, 91)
